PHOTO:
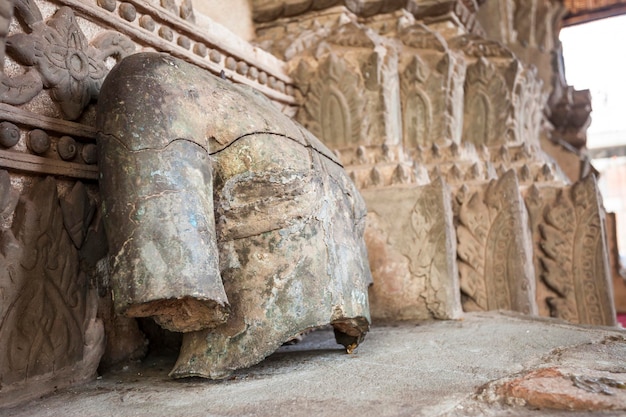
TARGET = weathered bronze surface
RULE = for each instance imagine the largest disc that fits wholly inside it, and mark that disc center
(226, 220)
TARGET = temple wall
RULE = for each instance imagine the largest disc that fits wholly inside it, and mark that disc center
(445, 108)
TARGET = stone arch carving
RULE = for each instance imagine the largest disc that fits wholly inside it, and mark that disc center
(528, 103)
(335, 116)
(417, 107)
(336, 87)
(416, 119)
(478, 112)
(486, 88)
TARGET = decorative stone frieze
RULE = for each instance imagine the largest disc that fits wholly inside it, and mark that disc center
(471, 113)
(270, 10)
(57, 49)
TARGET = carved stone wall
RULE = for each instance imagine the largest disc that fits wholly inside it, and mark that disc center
(531, 32)
(431, 81)
(354, 91)
(472, 112)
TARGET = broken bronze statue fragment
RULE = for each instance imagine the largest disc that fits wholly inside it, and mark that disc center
(226, 220)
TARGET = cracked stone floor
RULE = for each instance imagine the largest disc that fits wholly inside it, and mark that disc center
(489, 364)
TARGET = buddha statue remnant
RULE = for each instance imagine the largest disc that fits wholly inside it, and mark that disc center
(226, 220)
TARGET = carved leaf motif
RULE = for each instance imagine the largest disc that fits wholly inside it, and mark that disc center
(78, 211)
(29, 12)
(556, 245)
(427, 98)
(42, 329)
(590, 272)
(529, 102)
(431, 262)
(24, 87)
(417, 70)
(572, 257)
(493, 250)
(112, 44)
(487, 104)
(354, 35)
(474, 223)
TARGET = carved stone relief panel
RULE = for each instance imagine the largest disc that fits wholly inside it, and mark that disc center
(570, 253)
(487, 106)
(49, 334)
(529, 100)
(411, 245)
(431, 77)
(43, 145)
(334, 108)
(351, 92)
(494, 248)
(492, 106)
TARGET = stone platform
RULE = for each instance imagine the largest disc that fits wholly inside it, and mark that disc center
(493, 364)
